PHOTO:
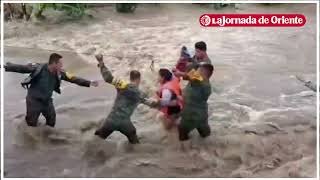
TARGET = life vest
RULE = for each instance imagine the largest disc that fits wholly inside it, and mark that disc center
(173, 86)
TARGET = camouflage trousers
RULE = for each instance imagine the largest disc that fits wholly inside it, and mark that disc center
(124, 126)
(193, 119)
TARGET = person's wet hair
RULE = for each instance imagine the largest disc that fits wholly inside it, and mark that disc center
(201, 45)
(54, 58)
(165, 74)
(134, 75)
(209, 69)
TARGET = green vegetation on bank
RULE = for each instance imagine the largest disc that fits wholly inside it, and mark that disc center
(77, 10)
(126, 7)
(74, 10)
(71, 9)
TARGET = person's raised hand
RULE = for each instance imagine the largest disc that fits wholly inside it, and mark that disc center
(99, 58)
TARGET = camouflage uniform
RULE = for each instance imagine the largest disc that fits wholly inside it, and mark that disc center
(195, 112)
(127, 100)
(42, 84)
(194, 64)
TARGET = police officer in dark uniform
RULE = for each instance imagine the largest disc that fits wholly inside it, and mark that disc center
(42, 81)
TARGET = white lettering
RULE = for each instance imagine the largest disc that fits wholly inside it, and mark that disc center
(231, 21)
(284, 20)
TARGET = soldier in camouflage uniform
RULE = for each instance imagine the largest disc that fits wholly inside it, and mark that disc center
(194, 115)
(42, 81)
(128, 98)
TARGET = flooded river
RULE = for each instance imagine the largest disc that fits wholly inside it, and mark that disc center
(263, 119)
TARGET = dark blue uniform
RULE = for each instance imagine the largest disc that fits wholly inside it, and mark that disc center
(41, 83)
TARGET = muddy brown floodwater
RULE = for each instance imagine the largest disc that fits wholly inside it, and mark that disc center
(263, 118)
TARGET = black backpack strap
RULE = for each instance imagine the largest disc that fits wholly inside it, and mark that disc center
(26, 83)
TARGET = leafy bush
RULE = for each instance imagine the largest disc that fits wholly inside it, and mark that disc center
(74, 9)
(71, 9)
(126, 7)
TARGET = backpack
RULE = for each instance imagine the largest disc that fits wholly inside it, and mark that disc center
(28, 81)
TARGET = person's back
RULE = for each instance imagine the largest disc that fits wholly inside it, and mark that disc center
(195, 109)
(126, 102)
(169, 98)
(43, 84)
(128, 98)
(196, 94)
(194, 115)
